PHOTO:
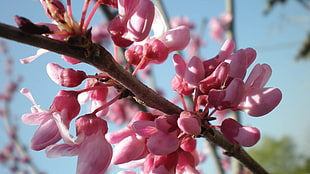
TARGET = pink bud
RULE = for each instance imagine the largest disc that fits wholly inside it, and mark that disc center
(66, 77)
(166, 123)
(27, 26)
(134, 55)
(238, 134)
(189, 123)
(90, 124)
(66, 102)
(155, 51)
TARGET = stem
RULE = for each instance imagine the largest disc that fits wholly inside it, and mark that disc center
(91, 14)
(100, 58)
(69, 9)
(233, 150)
(85, 7)
(107, 104)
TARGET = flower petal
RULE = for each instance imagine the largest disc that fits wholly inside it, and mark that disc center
(27, 60)
(144, 128)
(95, 155)
(259, 102)
(60, 150)
(47, 134)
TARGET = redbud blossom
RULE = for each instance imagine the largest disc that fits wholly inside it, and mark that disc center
(235, 133)
(258, 100)
(161, 134)
(126, 137)
(65, 104)
(176, 39)
(133, 23)
(66, 77)
(93, 151)
(189, 123)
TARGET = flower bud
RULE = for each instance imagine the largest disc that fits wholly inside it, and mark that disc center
(66, 77)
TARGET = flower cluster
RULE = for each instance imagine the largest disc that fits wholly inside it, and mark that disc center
(156, 141)
(218, 83)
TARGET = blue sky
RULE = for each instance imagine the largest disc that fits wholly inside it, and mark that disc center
(276, 37)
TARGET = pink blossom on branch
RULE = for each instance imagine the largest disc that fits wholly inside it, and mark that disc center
(65, 104)
(133, 23)
(238, 134)
(93, 151)
(67, 77)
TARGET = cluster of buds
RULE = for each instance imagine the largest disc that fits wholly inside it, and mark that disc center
(155, 141)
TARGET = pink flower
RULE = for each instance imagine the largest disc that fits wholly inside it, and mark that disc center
(176, 39)
(188, 75)
(161, 133)
(93, 151)
(65, 104)
(235, 133)
(128, 145)
(189, 123)
(66, 77)
(133, 23)
(258, 100)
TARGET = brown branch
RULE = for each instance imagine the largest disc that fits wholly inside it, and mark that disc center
(100, 58)
(236, 151)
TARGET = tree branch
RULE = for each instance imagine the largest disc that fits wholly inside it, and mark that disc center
(100, 58)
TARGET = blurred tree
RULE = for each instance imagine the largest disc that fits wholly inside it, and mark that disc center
(280, 156)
